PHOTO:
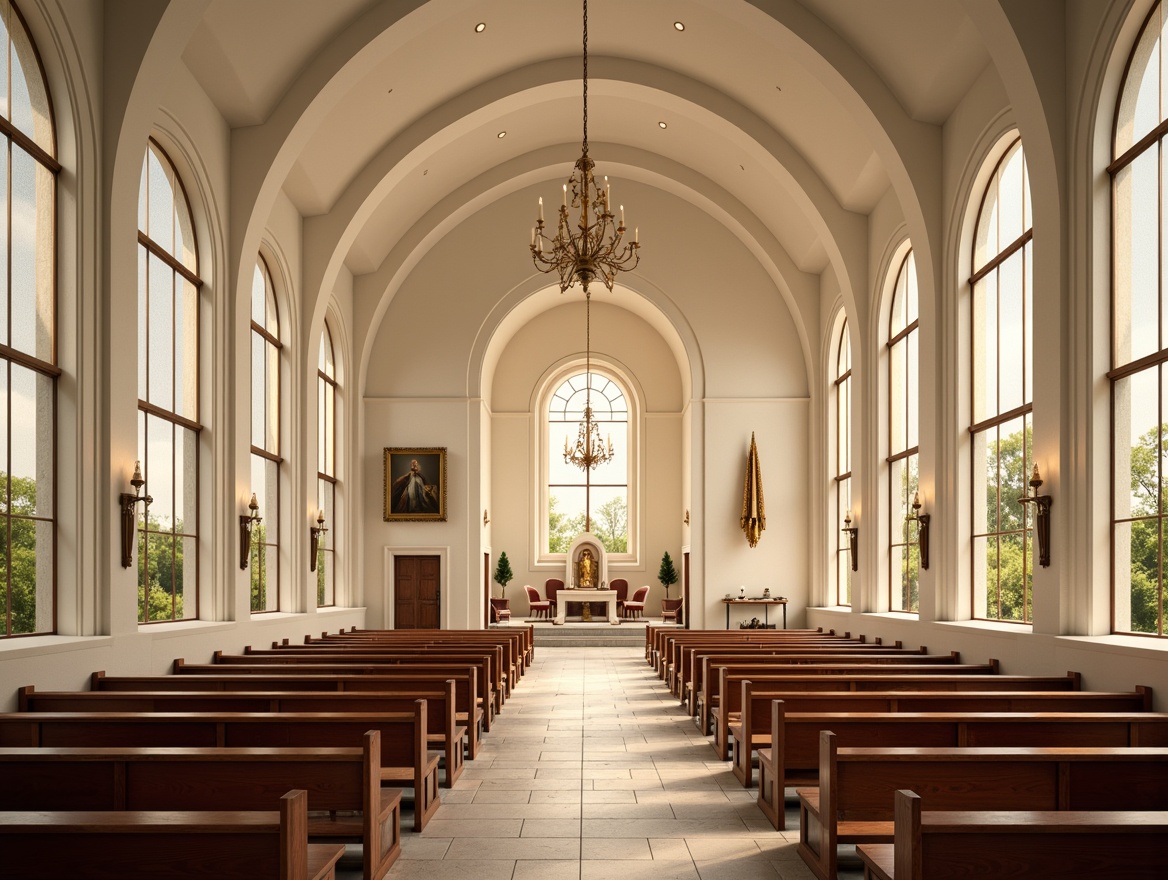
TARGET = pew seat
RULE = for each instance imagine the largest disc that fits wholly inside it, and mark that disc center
(226, 844)
(1036, 845)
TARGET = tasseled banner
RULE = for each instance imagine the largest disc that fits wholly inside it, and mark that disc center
(753, 506)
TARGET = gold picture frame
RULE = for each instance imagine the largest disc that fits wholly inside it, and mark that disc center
(415, 484)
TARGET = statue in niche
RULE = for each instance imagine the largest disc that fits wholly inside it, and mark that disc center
(586, 570)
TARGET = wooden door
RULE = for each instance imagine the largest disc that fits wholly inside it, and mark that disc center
(486, 590)
(416, 592)
(685, 588)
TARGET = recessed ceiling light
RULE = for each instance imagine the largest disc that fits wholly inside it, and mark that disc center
(480, 27)
(501, 134)
(679, 25)
(663, 124)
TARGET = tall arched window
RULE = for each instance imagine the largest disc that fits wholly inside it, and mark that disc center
(1002, 373)
(904, 558)
(841, 502)
(28, 343)
(1139, 360)
(265, 441)
(594, 499)
(168, 394)
(327, 390)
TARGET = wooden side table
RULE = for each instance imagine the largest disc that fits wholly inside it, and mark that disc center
(765, 603)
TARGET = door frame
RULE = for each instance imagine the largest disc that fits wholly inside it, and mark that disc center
(388, 585)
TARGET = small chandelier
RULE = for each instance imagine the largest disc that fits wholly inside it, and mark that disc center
(590, 451)
(594, 250)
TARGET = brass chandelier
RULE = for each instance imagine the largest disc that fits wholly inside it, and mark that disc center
(590, 451)
(595, 249)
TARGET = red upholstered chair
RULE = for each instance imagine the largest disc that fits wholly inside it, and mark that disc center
(539, 607)
(635, 607)
(552, 586)
(622, 593)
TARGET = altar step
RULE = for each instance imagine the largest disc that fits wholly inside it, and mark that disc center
(630, 634)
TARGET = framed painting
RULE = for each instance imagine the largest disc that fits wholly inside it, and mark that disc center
(415, 484)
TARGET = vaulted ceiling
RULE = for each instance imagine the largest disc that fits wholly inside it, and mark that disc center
(756, 97)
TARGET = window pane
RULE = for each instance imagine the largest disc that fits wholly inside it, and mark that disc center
(1011, 335)
(1139, 109)
(160, 334)
(1137, 233)
(897, 402)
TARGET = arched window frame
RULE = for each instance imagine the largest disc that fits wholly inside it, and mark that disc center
(29, 358)
(550, 442)
(327, 396)
(840, 500)
(1138, 376)
(168, 258)
(267, 463)
(903, 461)
(1001, 409)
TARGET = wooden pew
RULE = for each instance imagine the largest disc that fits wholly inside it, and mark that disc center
(335, 779)
(658, 639)
(1043, 845)
(752, 729)
(793, 755)
(484, 697)
(468, 713)
(853, 803)
(442, 730)
(689, 660)
(673, 647)
(405, 757)
(523, 635)
(226, 844)
(728, 682)
(491, 685)
(501, 673)
(508, 651)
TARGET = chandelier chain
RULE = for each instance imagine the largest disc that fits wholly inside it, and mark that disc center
(585, 145)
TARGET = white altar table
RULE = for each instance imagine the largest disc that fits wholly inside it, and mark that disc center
(563, 597)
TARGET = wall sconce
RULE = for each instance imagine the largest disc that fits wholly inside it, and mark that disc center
(128, 504)
(1042, 517)
(314, 533)
(853, 533)
(922, 521)
(246, 524)
(486, 519)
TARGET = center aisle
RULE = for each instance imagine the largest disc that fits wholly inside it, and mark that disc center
(591, 772)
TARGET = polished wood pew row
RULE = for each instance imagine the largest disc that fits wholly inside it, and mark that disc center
(752, 729)
(444, 734)
(657, 638)
(405, 757)
(688, 660)
(792, 759)
(508, 651)
(468, 713)
(484, 698)
(491, 681)
(673, 644)
(225, 844)
(522, 636)
(1037, 845)
(344, 788)
(700, 697)
(728, 682)
(853, 803)
(504, 670)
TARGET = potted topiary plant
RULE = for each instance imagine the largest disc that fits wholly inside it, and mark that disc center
(667, 574)
(503, 573)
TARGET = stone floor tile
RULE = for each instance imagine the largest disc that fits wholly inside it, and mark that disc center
(518, 848)
(621, 848)
(480, 869)
(669, 850)
(496, 796)
(547, 869)
(414, 846)
(439, 827)
(535, 827)
(638, 870)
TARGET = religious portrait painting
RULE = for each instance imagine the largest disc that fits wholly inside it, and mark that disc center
(415, 484)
